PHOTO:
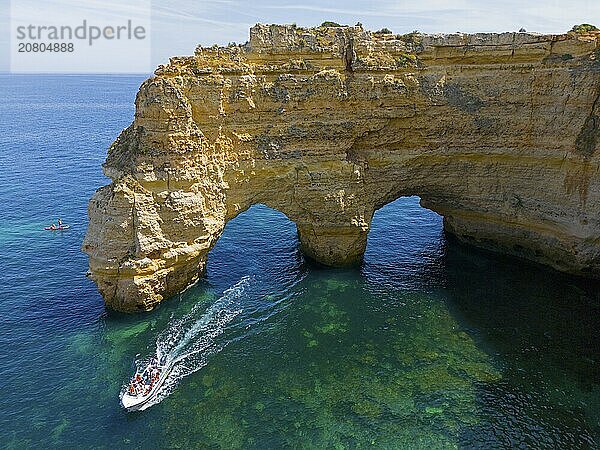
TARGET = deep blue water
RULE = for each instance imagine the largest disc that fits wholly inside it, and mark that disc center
(429, 344)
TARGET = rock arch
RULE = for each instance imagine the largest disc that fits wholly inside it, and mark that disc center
(498, 133)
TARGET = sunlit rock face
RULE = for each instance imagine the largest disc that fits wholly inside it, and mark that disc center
(499, 133)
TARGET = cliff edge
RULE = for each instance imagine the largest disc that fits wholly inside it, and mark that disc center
(498, 133)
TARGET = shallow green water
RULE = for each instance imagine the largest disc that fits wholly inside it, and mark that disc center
(428, 344)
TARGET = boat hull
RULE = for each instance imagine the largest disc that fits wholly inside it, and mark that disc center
(136, 403)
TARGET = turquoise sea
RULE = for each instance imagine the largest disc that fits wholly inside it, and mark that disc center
(428, 344)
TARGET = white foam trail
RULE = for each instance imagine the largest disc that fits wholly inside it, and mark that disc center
(187, 342)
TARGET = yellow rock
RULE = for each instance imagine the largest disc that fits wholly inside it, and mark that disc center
(496, 132)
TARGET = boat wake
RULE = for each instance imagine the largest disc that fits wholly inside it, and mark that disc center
(188, 342)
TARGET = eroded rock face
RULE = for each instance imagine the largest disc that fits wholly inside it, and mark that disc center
(499, 133)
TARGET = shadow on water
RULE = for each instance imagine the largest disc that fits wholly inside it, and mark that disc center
(538, 326)
(541, 326)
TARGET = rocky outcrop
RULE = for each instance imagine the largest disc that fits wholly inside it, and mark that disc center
(496, 132)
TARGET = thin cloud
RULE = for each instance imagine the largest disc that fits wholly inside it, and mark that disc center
(375, 12)
(163, 14)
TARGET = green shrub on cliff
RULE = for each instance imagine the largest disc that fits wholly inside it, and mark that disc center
(584, 28)
(332, 24)
(414, 38)
(406, 60)
(384, 31)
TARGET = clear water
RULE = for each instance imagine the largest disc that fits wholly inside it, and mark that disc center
(427, 345)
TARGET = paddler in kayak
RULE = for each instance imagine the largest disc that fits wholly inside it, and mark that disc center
(59, 222)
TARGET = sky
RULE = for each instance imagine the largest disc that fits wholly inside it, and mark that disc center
(177, 26)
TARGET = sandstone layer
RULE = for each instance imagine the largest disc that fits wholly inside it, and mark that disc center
(499, 133)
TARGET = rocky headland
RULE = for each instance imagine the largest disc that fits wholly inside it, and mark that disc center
(498, 133)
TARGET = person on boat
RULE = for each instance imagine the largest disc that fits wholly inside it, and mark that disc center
(59, 223)
(53, 227)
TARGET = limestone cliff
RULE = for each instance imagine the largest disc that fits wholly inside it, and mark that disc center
(499, 133)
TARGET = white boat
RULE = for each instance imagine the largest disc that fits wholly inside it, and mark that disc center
(134, 400)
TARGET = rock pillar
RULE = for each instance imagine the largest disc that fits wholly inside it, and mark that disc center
(333, 245)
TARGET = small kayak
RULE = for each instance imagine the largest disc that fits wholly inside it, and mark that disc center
(144, 392)
(61, 228)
